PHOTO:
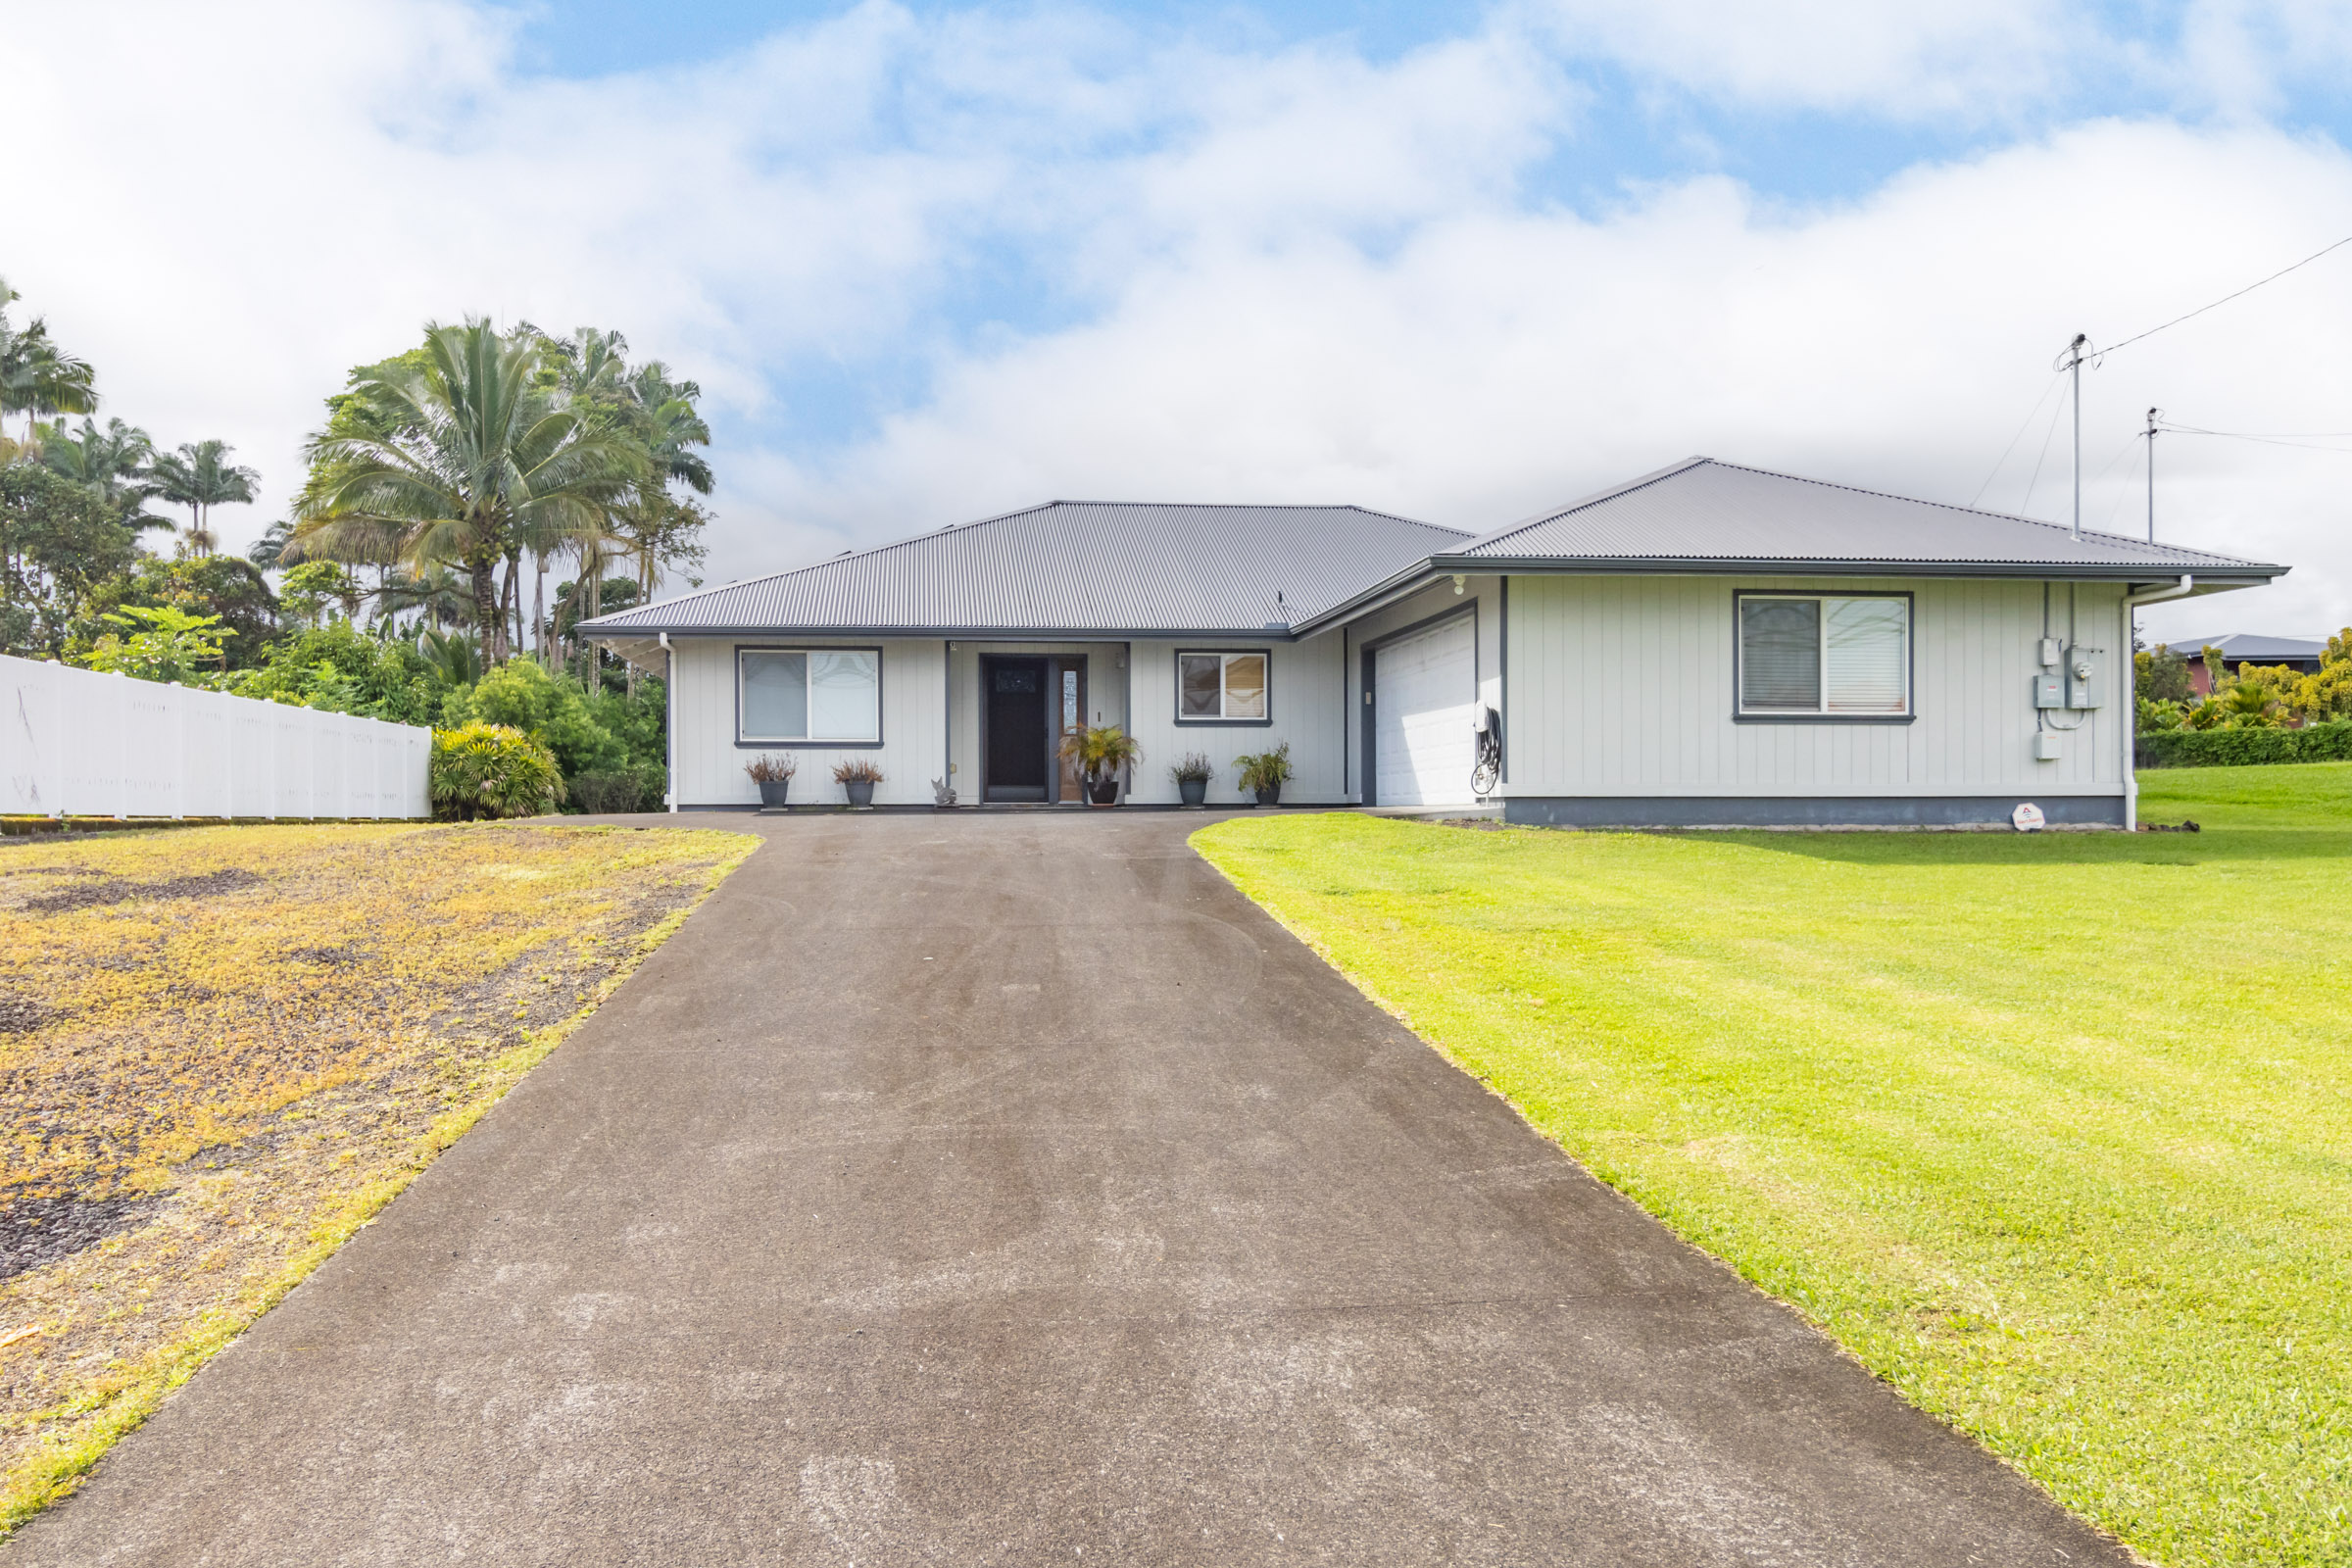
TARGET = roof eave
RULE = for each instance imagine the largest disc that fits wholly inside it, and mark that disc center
(994, 634)
(2236, 573)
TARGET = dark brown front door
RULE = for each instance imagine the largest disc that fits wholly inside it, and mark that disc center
(1016, 744)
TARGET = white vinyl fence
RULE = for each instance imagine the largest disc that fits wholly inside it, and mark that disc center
(76, 743)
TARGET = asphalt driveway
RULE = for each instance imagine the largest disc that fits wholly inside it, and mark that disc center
(1007, 1188)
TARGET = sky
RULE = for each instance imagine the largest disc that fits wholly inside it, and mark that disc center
(1462, 262)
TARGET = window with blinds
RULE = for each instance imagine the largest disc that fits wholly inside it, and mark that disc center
(1818, 654)
(809, 694)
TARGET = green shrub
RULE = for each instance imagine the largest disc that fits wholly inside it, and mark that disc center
(341, 669)
(2248, 747)
(551, 709)
(638, 787)
(492, 770)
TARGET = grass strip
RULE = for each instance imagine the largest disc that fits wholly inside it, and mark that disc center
(2048, 1131)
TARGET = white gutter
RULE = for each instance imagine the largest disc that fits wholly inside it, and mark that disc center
(669, 729)
(2130, 685)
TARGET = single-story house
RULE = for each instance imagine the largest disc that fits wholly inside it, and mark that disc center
(2299, 653)
(1706, 645)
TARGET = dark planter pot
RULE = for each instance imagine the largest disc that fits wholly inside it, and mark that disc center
(1192, 791)
(772, 793)
(861, 791)
(1102, 791)
(1270, 797)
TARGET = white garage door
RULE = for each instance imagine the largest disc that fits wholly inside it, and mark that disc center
(1424, 702)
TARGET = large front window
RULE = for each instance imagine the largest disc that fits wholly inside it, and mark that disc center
(810, 694)
(1227, 687)
(1809, 653)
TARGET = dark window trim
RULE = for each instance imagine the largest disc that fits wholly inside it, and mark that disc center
(735, 656)
(1910, 714)
(1369, 709)
(1176, 683)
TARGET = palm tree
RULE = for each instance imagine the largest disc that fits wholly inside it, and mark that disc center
(114, 463)
(199, 477)
(268, 551)
(435, 592)
(36, 376)
(465, 457)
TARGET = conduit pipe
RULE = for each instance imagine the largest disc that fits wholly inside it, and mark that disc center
(2131, 687)
(670, 728)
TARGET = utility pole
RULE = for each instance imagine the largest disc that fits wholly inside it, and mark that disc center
(2073, 363)
(2152, 412)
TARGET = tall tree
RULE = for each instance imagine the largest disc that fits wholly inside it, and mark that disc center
(113, 464)
(38, 378)
(467, 452)
(58, 542)
(654, 525)
(199, 477)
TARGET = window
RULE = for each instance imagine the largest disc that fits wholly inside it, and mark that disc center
(1804, 655)
(810, 694)
(1228, 688)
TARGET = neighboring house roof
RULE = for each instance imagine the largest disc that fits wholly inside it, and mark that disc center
(2240, 647)
(1077, 566)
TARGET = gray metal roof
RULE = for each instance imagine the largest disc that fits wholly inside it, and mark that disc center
(1080, 567)
(1701, 515)
(2247, 648)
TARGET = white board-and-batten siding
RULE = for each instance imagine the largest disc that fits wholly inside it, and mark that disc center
(1307, 700)
(1624, 686)
(708, 766)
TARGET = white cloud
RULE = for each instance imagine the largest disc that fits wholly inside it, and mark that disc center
(1292, 274)
(1502, 361)
(1910, 61)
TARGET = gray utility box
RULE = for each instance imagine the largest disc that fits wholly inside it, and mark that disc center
(2084, 688)
(2049, 689)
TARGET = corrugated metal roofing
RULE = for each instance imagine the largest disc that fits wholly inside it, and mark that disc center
(1702, 511)
(1073, 566)
(2241, 647)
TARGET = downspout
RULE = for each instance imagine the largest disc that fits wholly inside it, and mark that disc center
(669, 725)
(2131, 687)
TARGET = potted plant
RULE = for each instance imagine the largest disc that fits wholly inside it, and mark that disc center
(1192, 778)
(1101, 752)
(1266, 773)
(774, 774)
(858, 777)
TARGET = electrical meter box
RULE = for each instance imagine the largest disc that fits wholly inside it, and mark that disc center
(2049, 689)
(2082, 683)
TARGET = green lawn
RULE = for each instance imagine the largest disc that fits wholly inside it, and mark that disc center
(2051, 1131)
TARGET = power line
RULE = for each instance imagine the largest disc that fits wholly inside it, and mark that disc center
(2266, 440)
(2226, 298)
(2056, 408)
(2002, 460)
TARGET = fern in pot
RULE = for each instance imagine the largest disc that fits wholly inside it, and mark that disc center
(1101, 752)
(774, 774)
(1264, 773)
(1192, 779)
(858, 777)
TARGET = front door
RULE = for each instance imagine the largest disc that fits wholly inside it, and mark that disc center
(1015, 736)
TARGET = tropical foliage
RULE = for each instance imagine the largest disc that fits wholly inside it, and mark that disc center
(74, 502)
(158, 643)
(2252, 697)
(489, 770)
(446, 486)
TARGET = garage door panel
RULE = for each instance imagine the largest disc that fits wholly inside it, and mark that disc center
(1425, 697)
